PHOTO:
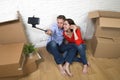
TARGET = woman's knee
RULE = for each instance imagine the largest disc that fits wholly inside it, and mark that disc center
(82, 47)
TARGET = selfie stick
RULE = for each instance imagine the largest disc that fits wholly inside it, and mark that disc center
(33, 21)
(34, 26)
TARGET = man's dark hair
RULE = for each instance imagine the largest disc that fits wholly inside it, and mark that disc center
(61, 17)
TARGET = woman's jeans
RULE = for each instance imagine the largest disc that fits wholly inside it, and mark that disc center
(57, 51)
(81, 50)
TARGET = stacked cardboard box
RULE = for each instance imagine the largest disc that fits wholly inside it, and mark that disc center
(11, 59)
(13, 62)
(106, 38)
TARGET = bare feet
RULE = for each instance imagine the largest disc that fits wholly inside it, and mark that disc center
(66, 68)
(62, 71)
(85, 69)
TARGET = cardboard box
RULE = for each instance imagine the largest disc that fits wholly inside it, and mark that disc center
(32, 64)
(11, 59)
(12, 40)
(107, 23)
(107, 14)
(105, 42)
(105, 47)
(107, 27)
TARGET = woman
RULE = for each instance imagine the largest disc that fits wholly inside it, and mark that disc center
(72, 34)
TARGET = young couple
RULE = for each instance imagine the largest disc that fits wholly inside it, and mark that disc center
(66, 29)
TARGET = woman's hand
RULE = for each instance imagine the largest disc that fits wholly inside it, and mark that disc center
(74, 27)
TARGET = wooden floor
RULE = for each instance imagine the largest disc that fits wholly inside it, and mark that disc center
(100, 69)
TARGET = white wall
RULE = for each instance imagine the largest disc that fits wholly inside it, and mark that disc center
(8, 10)
(48, 10)
(110, 5)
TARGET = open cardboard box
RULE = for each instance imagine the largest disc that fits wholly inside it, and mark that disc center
(12, 60)
(107, 23)
(107, 27)
(12, 40)
(12, 32)
(105, 42)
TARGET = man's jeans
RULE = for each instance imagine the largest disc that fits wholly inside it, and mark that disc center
(57, 51)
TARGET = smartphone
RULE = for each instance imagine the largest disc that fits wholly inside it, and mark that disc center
(71, 30)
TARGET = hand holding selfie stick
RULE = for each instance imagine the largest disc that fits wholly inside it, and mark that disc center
(34, 21)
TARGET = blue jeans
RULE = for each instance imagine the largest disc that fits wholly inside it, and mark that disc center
(75, 59)
(81, 50)
(57, 51)
(70, 51)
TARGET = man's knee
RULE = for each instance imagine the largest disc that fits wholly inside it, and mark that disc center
(52, 44)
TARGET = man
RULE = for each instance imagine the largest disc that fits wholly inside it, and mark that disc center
(55, 40)
(55, 46)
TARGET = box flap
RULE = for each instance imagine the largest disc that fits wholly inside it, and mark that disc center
(11, 53)
(105, 40)
(109, 22)
(108, 40)
(96, 14)
(12, 32)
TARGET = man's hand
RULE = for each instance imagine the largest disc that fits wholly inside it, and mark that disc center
(48, 32)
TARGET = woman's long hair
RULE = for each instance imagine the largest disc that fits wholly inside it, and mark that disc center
(70, 21)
